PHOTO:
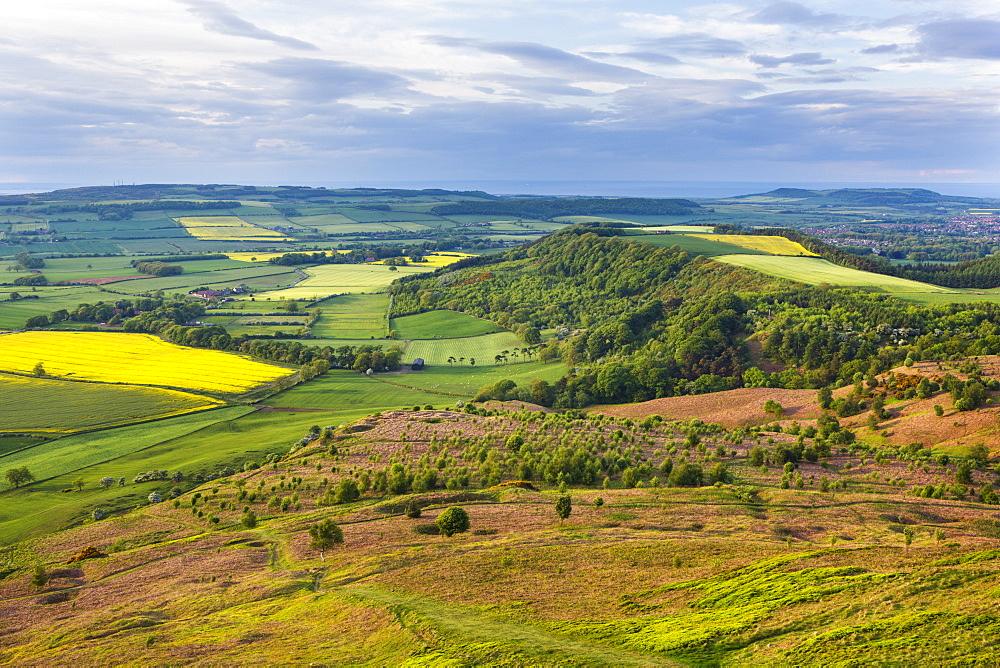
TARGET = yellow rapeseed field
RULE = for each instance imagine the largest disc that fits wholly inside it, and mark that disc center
(139, 359)
(436, 259)
(227, 228)
(772, 245)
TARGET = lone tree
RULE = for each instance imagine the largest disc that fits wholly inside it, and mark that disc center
(40, 578)
(19, 476)
(564, 506)
(325, 535)
(453, 520)
(773, 407)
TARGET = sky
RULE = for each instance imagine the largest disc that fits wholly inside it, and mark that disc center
(322, 91)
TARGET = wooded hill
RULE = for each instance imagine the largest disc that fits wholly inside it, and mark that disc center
(639, 322)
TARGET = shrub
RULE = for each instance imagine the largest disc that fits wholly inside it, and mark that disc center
(453, 520)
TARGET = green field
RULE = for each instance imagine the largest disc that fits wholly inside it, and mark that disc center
(70, 406)
(466, 380)
(13, 314)
(355, 316)
(335, 279)
(64, 455)
(179, 444)
(815, 271)
(256, 276)
(349, 389)
(694, 245)
(483, 349)
(440, 325)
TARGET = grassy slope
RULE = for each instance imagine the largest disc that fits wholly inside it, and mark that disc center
(654, 577)
(814, 271)
(441, 324)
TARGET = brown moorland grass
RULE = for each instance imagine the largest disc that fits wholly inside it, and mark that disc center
(733, 408)
(176, 588)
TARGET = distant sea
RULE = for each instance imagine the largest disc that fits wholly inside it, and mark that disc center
(688, 189)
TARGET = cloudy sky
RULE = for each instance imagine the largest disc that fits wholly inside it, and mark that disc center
(291, 91)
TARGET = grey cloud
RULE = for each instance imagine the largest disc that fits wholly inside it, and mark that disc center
(550, 59)
(221, 19)
(795, 14)
(882, 48)
(698, 44)
(642, 56)
(961, 38)
(321, 80)
(793, 59)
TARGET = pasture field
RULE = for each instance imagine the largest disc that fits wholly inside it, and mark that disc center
(204, 442)
(466, 380)
(348, 389)
(333, 279)
(682, 229)
(441, 324)
(13, 314)
(257, 277)
(322, 220)
(696, 245)
(335, 343)
(135, 359)
(70, 406)
(227, 228)
(772, 245)
(482, 348)
(70, 453)
(814, 271)
(355, 316)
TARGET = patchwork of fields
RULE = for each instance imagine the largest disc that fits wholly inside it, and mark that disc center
(139, 359)
(228, 228)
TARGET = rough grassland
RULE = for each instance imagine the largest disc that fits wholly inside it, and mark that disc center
(441, 325)
(814, 271)
(70, 406)
(139, 359)
(356, 316)
(772, 245)
(744, 574)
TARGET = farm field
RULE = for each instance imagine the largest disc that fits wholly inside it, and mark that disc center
(71, 406)
(333, 279)
(139, 359)
(354, 316)
(772, 245)
(441, 324)
(466, 380)
(63, 455)
(436, 260)
(814, 271)
(227, 228)
(483, 349)
(338, 389)
(257, 277)
(696, 245)
(13, 314)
